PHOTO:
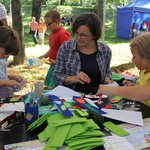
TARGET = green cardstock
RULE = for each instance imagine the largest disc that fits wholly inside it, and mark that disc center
(56, 117)
(38, 122)
(85, 146)
(82, 112)
(60, 135)
(75, 129)
(86, 143)
(115, 129)
(69, 121)
(92, 125)
(92, 133)
(50, 131)
(42, 137)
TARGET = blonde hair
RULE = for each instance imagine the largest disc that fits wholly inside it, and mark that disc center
(142, 45)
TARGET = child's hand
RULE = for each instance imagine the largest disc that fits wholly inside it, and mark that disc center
(12, 83)
(128, 83)
(18, 78)
(101, 89)
(51, 62)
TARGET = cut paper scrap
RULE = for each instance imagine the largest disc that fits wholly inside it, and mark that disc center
(84, 104)
(61, 107)
(133, 117)
(35, 62)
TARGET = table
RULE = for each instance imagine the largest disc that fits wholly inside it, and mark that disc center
(18, 133)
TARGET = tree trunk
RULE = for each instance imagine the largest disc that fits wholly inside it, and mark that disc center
(62, 2)
(18, 26)
(36, 9)
(81, 3)
(100, 9)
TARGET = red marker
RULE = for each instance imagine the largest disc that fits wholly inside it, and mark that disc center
(100, 98)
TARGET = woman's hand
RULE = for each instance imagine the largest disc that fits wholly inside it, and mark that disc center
(82, 78)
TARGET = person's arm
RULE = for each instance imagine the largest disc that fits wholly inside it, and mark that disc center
(46, 55)
(8, 83)
(108, 74)
(137, 93)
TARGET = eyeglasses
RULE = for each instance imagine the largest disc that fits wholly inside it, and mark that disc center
(48, 24)
(82, 35)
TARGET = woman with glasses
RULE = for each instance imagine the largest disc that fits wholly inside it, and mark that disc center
(83, 63)
(9, 45)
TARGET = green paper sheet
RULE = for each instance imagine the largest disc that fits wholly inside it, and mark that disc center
(115, 129)
(56, 117)
(69, 121)
(60, 135)
(91, 124)
(82, 112)
(85, 145)
(38, 122)
(75, 129)
(50, 131)
(42, 136)
(84, 141)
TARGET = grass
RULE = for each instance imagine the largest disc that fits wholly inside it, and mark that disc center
(38, 73)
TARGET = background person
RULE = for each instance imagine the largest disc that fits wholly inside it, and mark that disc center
(143, 27)
(41, 30)
(58, 35)
(33, 29)
(133, 30)
(83, 63)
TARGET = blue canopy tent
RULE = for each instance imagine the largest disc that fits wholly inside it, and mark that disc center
(136, 12)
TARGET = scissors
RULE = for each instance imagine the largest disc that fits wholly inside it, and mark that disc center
(17, 121)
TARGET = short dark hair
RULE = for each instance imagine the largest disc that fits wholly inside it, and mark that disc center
(9, 39)
(92, 21)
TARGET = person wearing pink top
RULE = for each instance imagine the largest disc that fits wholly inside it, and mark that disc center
(33, 27)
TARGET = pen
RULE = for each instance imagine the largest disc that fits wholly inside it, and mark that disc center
(39, 99)
(100, 98)
(3, 130)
